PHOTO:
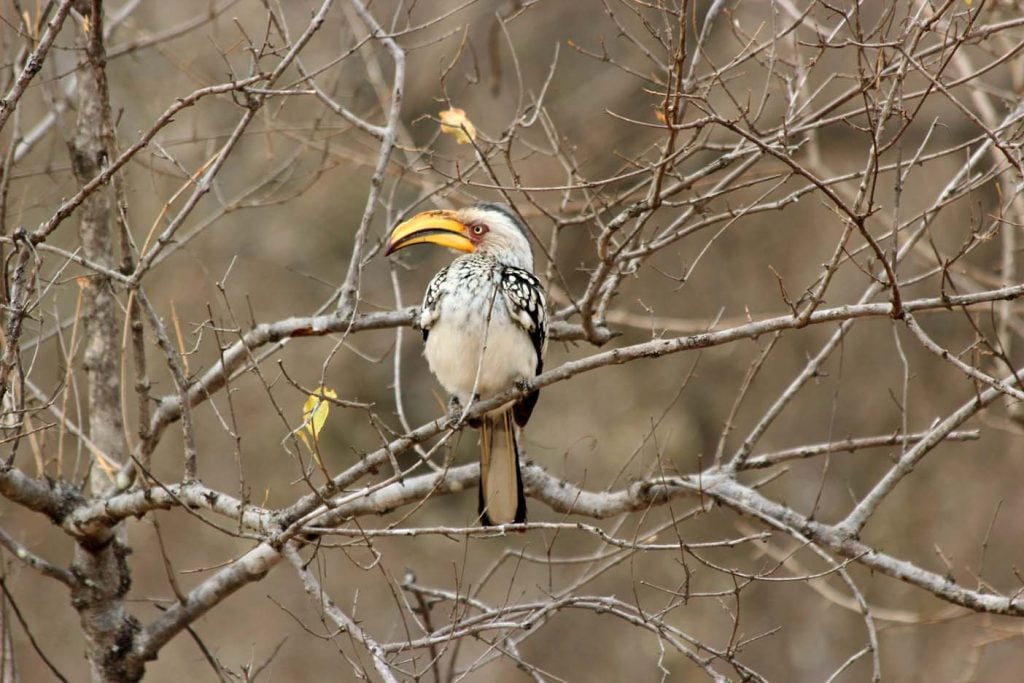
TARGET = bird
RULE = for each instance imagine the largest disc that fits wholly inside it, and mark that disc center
(484, 327)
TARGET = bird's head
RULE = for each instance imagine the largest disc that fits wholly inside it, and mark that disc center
(492, 229)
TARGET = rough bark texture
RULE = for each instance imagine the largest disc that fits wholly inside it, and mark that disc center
(8, 665)
(99, 564)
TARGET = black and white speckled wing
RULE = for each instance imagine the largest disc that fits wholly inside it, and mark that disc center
(524, 298)
(430, 310)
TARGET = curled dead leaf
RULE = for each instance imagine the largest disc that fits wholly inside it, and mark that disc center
(454, 122)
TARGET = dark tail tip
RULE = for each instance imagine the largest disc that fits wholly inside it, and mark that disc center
(481, 507)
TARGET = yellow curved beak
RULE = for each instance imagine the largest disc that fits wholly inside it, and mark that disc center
(433, 227)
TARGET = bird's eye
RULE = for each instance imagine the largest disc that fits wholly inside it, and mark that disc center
(479, 229)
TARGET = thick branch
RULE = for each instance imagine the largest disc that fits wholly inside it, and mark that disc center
(252, 566)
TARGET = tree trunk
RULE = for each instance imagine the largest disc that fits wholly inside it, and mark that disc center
(8, 665)
(99, 563)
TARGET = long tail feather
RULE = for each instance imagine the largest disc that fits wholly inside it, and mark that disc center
(501, 483)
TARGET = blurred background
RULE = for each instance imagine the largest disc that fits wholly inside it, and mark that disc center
(273, 240)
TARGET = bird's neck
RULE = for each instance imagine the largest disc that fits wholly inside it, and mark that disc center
(508, 257)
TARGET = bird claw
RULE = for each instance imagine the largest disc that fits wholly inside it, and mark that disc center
(454, 412)
(522, 384)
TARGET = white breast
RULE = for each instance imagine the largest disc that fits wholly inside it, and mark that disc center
(463, 332)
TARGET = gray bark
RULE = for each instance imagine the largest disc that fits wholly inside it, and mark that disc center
(100, 566)
(8, 665)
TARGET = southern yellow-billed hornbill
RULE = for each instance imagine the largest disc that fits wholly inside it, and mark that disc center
(483, 320)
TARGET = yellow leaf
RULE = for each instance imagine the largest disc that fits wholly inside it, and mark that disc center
(454, 122)
(315, 410)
